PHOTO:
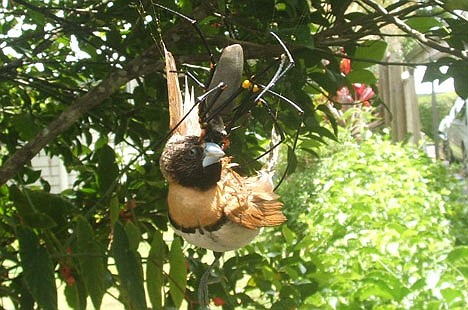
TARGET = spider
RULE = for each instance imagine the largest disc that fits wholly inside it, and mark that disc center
(218, 101)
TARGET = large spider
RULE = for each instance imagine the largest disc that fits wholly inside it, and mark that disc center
(219, 113)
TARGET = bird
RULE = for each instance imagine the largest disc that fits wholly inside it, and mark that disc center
(210, 205)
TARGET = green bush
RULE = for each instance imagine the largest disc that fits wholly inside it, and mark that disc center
(444, 102)
(369, 228)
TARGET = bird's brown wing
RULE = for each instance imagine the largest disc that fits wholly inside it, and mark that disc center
(178, 109)
(251, 201)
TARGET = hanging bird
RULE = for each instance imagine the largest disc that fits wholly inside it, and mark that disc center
(210, 205)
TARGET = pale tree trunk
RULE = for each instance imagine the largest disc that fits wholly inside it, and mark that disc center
(399, 95)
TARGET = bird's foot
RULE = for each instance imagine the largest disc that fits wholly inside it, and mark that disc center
(206, 279)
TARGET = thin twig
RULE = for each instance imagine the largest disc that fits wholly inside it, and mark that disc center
(413, 32)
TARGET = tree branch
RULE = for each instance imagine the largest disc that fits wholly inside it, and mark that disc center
(414, 33)
(146, 63)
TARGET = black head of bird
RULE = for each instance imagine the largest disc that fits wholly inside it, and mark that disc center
(191, 163)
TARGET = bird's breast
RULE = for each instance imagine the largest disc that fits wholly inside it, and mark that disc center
(191, 208)
(198, 217)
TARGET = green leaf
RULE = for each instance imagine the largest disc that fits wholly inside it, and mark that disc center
(292, 161)
(38, 269)
(457, 5)
(372, 50)
(458, 257)
(288, 234)
(362, 76)
(40, 209)
(129, 268)
(39, 220)
(423, 23)
(114, 210)
(459, 254)
(24, 124)
(460, 77)
(91, 261)
(451, 294)
(134, 236)
(177, 273)
(107, 170)
(101, 142)
(303, 36)
(76, 295)
(324, 80)
(433, 73)
(377, 288)
(154, 270)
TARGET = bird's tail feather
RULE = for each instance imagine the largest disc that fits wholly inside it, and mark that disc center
(183, 116)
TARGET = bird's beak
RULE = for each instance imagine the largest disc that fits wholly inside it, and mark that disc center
(213, 153)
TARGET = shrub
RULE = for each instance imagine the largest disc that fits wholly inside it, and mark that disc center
(369, 228)
(444, 103)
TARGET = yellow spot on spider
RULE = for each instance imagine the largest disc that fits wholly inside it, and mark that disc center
(247, 84)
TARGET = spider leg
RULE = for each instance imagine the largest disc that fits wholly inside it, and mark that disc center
(198, 100)
(300, 112)
(281, 133)
(195, 79)
(217, 102)
(194, 23)
(282, 68)
(286, 63)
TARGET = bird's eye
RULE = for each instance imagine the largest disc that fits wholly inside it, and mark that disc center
(193, 153)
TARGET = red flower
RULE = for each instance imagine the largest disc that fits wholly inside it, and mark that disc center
(70, 280)
(345, 65)
(66, 273)
(218, 301)
(363, 93)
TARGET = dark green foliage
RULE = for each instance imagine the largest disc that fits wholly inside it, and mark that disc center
(37, 269)
(128, 263)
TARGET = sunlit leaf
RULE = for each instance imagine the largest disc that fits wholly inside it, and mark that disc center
(362, 76)
(371, 51)
(423, 23)
(288, 234)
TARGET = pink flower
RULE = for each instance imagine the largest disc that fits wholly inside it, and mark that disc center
(343, 95)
